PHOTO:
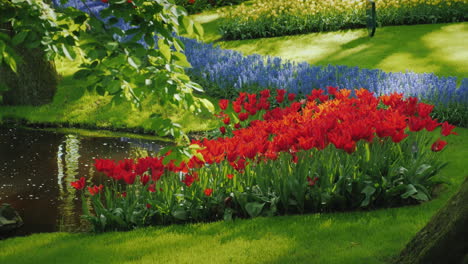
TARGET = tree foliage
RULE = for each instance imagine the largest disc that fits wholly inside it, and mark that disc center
(127, 64)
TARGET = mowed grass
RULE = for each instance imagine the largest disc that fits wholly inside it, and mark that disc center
(433, 48)
(74, 106)
(351, 237)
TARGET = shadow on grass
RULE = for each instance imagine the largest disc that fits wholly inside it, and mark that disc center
(435, 48)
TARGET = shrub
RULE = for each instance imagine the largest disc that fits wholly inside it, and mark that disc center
(278, 155)
(197, 6)
(267, 18)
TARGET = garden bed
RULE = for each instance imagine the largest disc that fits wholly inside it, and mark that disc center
(285, 17)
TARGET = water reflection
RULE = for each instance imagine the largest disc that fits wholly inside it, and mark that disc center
(36, 168)
(68, 156)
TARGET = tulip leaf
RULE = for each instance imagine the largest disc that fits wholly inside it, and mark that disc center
(410, 191)
(179, 214)
(422, 169)
(368, 191)
(254, 209)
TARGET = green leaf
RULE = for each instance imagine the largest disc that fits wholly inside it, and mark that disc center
(112, 21)
(113, 87)
(179, 214)
(165, 49)
(199, 30)
(80, 19)
(106, 12)
(149, 39)
(113, 45)
(227, 214)
(82, 74)
(254, 209)
(368, 191)
(70, 54)
(100, 90)
(182, 60)
(179, 45)
(207, 104)
(10, 61)
(410, 191)
(420, 196)
(2, 50)
(20, 37)
(422, 169)
(134, 62)
(367, 152)
(188, 24)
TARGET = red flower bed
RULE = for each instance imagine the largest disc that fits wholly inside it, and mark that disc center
(331, 150)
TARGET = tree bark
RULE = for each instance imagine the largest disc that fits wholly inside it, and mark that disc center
(36, 80)
(445, 238)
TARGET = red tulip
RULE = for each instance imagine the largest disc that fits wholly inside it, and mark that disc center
(312, 182)
(438, 145)
(144, 179)
(243, 116)
(222, 130)
(447, 129)
(265, 93)
(79, 184)
(208, 192)
(190, 178)
(129, 177)
(237, 107)
(223, 104)
(95, 189)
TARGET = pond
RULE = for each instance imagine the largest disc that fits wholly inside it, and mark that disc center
(37, 167)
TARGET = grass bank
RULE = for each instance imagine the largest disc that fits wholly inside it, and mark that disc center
(350, 237)
(431, 48)
(73, 106)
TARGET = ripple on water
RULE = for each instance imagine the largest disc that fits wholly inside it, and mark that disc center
(38, 167)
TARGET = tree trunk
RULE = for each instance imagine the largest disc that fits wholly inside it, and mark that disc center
(36, 81)
(445, 238)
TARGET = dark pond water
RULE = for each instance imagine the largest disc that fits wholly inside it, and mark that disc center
(36, 168)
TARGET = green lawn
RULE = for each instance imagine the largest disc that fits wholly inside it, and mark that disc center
(436, 48)
(352, 237)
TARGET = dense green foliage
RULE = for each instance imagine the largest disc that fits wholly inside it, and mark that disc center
(197, 6)
(122, 63)
(268, 19)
